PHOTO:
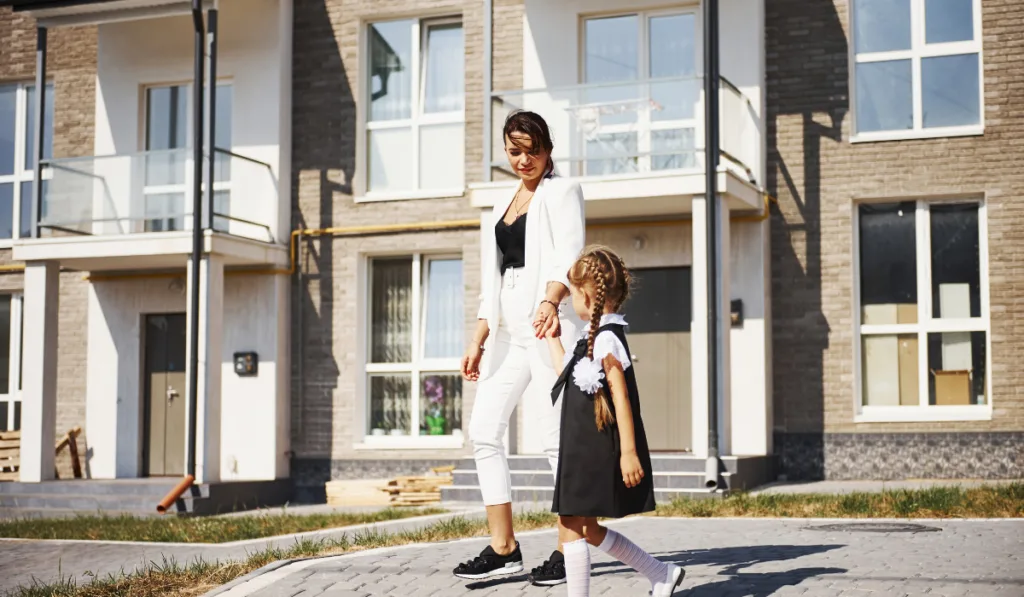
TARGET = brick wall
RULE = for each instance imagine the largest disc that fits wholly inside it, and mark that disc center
(816, 173)
(327, 64)
(71, 66)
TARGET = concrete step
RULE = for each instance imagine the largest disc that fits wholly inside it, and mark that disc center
(661, 462)
(88, 503)
(544, 495)
(662, 480)
(135, 487)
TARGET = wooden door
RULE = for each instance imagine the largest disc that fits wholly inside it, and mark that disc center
(165, 395)
(659, 313)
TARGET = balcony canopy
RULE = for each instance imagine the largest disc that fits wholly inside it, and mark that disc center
(56, 13)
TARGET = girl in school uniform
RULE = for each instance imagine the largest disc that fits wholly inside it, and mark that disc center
(604, 466)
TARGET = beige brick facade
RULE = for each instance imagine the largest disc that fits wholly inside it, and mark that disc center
(817, 174)
(71, 66)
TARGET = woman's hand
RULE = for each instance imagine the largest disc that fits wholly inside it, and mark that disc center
(546, 322)
(471, 362)
(632, 472)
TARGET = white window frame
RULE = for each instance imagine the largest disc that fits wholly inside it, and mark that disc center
(918, 50)
(414, 122)
(924, 412)
(418, 365)
(644, 125)
(184, 188)
(13, 395)
(21, 173)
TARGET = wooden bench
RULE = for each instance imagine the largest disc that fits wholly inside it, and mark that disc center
(10, 453)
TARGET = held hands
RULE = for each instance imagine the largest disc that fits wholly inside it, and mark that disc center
(632, 472)
(546, 324)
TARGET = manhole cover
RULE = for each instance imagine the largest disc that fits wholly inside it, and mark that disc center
(875, 527)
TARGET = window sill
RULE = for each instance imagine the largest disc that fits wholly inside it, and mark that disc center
(923, 414)
(937, 133)
(374, 197)
(408, 442)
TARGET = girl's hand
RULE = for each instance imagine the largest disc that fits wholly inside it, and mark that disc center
(471, 362)
(632, 472)
(546, 320)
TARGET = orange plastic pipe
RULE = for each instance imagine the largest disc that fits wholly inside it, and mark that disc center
(175, 493)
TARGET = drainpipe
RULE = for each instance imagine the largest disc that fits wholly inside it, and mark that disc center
(197, 230)
(40, 110)
(211, 144)
(712, 478)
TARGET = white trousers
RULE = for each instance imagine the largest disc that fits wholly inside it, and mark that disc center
(522, 371)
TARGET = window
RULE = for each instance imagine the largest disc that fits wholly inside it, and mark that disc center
(414, 129)
(639, 107)
(11, 328)
(416, 340)
(17, 155)
(168, 158)
(923, 308)
(917, 68)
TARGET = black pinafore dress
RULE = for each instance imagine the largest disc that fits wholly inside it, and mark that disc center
(589, 479)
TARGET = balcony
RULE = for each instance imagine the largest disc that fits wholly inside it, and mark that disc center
(135, 211)
(635, 140)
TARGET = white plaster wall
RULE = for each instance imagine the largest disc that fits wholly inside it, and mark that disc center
(254, 53)
(113, 408)
(254, 416)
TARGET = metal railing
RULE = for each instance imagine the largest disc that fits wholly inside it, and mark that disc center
(634, 127)
(151, 191)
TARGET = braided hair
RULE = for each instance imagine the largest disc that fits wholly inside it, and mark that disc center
(603, 272)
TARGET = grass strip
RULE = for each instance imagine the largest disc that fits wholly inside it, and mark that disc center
(171, 529)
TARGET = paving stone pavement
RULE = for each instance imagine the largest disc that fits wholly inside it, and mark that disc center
(723, 557)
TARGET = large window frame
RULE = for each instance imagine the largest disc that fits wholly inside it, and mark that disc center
(167, 219)
(415, 368)
(919, 50)
(926, 323)
(24, 166)
(417, 119)
(646, 127)
(13, 396)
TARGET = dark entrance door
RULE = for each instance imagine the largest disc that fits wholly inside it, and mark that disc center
(165, 410)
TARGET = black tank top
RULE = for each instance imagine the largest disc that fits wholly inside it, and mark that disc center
(511, 242)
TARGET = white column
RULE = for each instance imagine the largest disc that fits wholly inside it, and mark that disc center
(39, 373)
(211, 317)
(699, 330)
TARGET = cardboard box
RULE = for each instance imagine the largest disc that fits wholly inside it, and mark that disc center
(909, 384)
(952, 388)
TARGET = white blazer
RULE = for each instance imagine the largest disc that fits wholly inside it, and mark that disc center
(555, 233)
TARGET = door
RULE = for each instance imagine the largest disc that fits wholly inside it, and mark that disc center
(658, 312)
(11, 328)
(165, 395)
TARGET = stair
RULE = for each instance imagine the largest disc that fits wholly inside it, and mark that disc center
(675, 476)
(137, 497)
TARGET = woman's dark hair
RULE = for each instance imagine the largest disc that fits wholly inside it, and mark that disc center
(530, 124)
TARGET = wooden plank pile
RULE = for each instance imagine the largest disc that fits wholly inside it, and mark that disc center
(419, 490)
(356, 492)
(10, 455)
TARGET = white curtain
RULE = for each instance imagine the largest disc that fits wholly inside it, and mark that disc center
(444, 316)
(390, 70)
(444, 89)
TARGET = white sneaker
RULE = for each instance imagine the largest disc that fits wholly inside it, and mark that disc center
(672, 582)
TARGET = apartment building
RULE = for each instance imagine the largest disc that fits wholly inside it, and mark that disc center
(357, 146)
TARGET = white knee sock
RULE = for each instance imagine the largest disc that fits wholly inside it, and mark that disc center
(577, 568)
(630, 554)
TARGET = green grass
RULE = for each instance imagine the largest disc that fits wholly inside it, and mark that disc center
(992, 501)
(219, 529)
(197, 577)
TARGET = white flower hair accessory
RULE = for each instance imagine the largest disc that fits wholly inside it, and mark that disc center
(587, 375)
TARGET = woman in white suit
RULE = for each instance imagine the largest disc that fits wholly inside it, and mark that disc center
(529, 244)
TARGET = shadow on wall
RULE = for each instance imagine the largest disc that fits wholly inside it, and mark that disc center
(807, 78)
(323, 153)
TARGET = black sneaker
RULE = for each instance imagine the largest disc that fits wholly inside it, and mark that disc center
(550, 573)
(489, 564)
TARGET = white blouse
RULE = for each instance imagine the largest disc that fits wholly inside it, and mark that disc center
(606, 343)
